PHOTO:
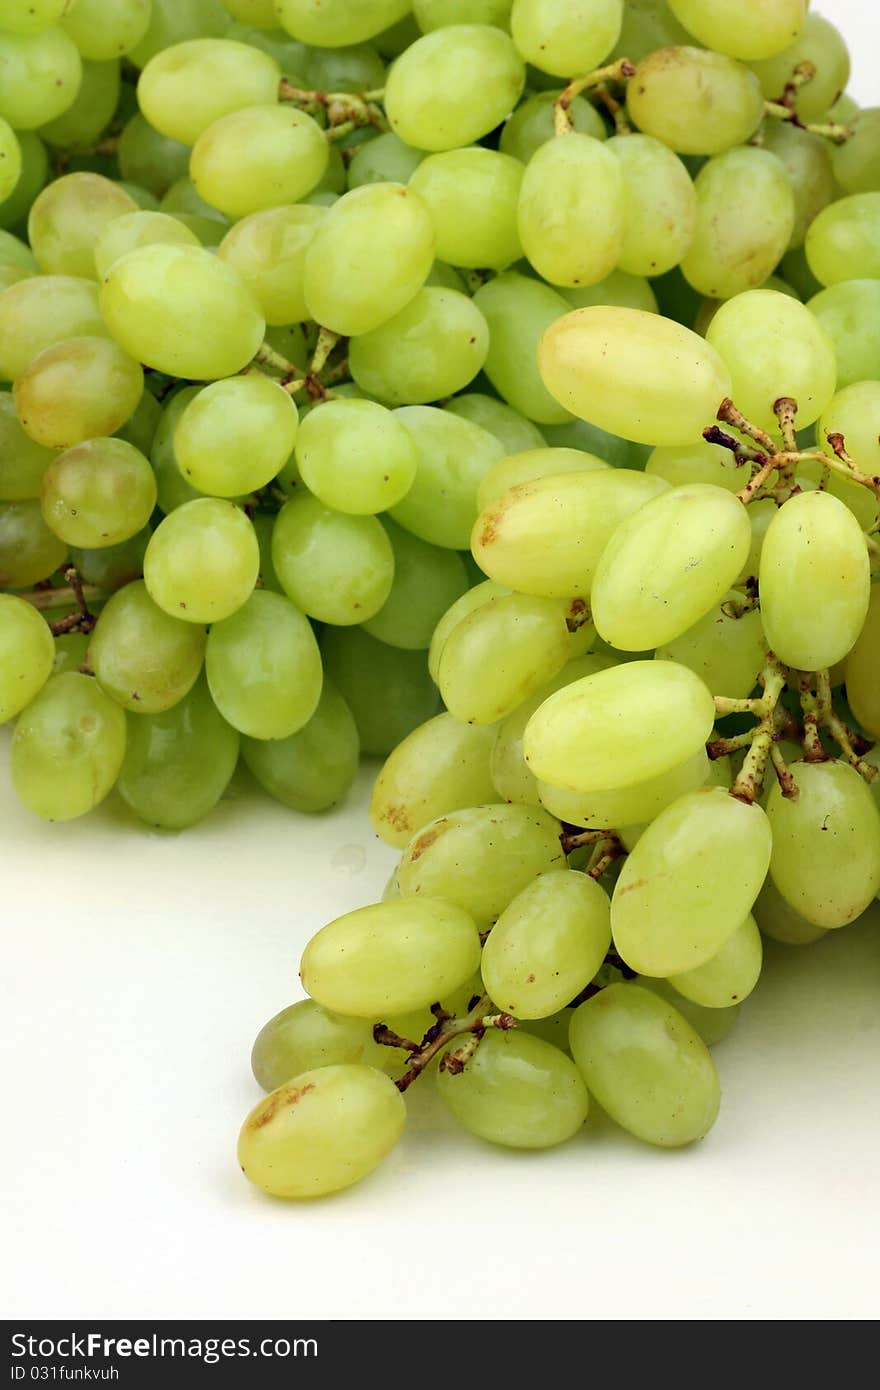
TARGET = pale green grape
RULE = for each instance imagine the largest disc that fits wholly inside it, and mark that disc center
(30, 16)
(34, 172)
(849, 312)
(431, 349)
(821, 44)
(643, 377)
(453, 457)
(531, 124)
(697, 463)
(843, 242)
(571, 210)
(149, 158)
(856, 163)
(383, 160)
(12, 275)
(522, 639)
(178, 763)
(808, 164)
(391, 958)
(626, 291)
(173, 489)
(456, 613)
(568, 38)
(142, 657)
(75, 390)
(388, 690)
(15, 252)
(862, 674)
(335, 23)
(660, 202)
(235, 435)
(730, 254)
(268, 249)
(105, 29)
(113, 566)
(754, 29)
(471, 196)
(546, 536)
(182, 197)
(778, 920)
(726, 652)
(336, 567)
(323, 1130)
(67, 218)
(815, 581)
(173, 21)
(518, 310)
(41, 76)
(315, 767)
(578, 434)
(262, 15)
(436, 14)
(480, 858)
(10, 159)
(728, 977)
(645, 1065)
(202, 561)
(352, 68)
(186, 87)
(81, 125)
(453, 86)
(374, 252)
(41, 311)
(133, 229)
(68, 748)
(146, 201)
(27, 654)
(427, 579)
(442, 766)
(258, 157)
(525, 467)
(98, 493)
(22, 461)
(513, 431)
(516, 1090)
(826, 843)
(181, 310)
(304, 1036)
(690, 881)
(355, 456)
(709, 1024)
(29, 551)
(619, 727)
(264, 667)
(547, 944)
(694, 100)
(627, 806)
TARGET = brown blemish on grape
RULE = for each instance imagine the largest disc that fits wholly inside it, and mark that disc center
(287, 1096)
(397, 818)
(424, 842)
(489, 528)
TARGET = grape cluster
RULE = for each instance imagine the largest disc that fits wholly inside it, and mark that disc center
(492, 386)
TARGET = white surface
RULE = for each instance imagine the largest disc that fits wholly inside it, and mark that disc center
(137, 969)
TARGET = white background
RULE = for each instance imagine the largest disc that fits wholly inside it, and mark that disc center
(137, 969)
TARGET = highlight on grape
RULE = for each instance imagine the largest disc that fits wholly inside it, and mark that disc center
(487, 386)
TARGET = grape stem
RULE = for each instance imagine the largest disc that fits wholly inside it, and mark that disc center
(476, 1021)
(785, 110)
(615, 109)
(345, 111)
(563, 122)
(818, 713)
(749, 781)
(80, 594)
(604, 854)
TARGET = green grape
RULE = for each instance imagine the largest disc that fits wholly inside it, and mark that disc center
(645, 1065)
(383, 160)
(730, 976)
(12, 275)
(325, 1129)
(146, 201)
(75, 390)
(186, 87)
(730, 254)
(471, 196)
(262, 15)
(668, 564)
(436, 14)
(10, 159)
(518, 310)
(513, 431)
(173, 21)
(709, 1024)
(178, 763)
(355, 456)
(70, 652)
(849, 312)
(68, 748)
(427, 579)
(578, 434)
(864, 504)
(181, 310)
(696, 463)
(531, 124)
(15, 252)
(68, 217)
(690, 881)
(78, 128)
(112, 566)
(456, 613)
(694, 100)
(105, 29)
(22, 461)
(391, 958)
(862, 683)
(98, 493)
(627, 806)
(336, 567)
(619, 727)
(374, 252)
(41, 76)
(29, 551)
(562, 39)
(314, 768)
(843, 242)
(304, 1036)
(480, 858)
(352, 68)
(778, 920)
(41, 311)
(182, 197)
(268, 249)
(661, 206)
(140, 428)
(809, 166)
(149, 158)
(235, 435)
(751, 30)
(173, 489)
(522, 639)
(725, 651)
(815, 581)
(453, 85)
(547, 944)
(572, 205)
(202, 561)
(253, 159)
(525, 467)
(821, 44)
(546, 536)
(388, 690)
(27, 654)
(516, 1090)
(264, 667)
(142, 657)
(431, 349)
(442, 766)
(760, 515)
(626, 291)
(643, 377)
(135, 229)
(856, 163)
(844, 110)
(337, 23)
(34, 172)
(31, 16)
(453, 456)
(648, 24)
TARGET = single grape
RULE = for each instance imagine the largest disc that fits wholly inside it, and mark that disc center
(634, 805)
(355, 456)
(235, 435)
(173, 489)
(77, 389)
(661, 207)
(182, 198)
(186, 87)
(472, 599)
(34, 172)
(68, 748)
(112, 566)
(862, 683)
(258, 157)
(22, 461)
(202, 561)
(41, 311)
(268, 249)
(726, 651)
(431, 349)
(709, 1024)
(471, 196)
(67, 218)
(849, 312)
(532, 124)
(337, 23)
(525, 467)
(694, 100)
(626, 291)
(442, 766)
(41, 76)
(730, 254)
(149, 158)
(134, 229)
(843, 242)
(336, 567)
(427, 579)
(578, 174)
(730, 976)
(808, 164)
(304, 1036)
(27, 654)
(856, 163)
(453, 456)
(264, 667)
(314, 768)
(701, 462)
(29, 551)
(145, 659)
(383, 160)
(778, 920)
(30, 16)
(436, 14)
(518, 310)
(821, 44)
(98, 493)
(388, 690)
(566, 39)
(751, 30)
(10, 159)
(524, 640)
